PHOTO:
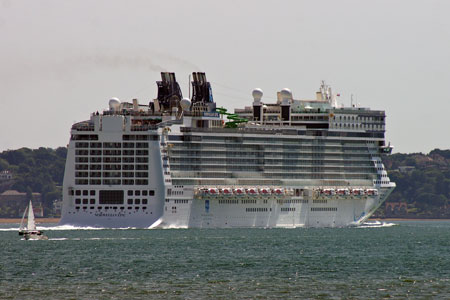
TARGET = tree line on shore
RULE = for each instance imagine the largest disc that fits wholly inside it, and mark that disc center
(423, 183)
(423, 180)
(35, 170)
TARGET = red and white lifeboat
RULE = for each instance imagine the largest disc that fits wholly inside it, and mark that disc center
(252, 191)
(227, 191)
(213, 191)
(372, 192)
(358, 192)
(239, 191)
(265, 191)
(204, 191)
(329, 192)
(278, 191)
(343, 192)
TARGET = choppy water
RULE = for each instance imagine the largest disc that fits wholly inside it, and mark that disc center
(408, 260)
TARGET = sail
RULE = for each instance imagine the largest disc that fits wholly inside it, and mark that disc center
(22, 224)
(31, 225)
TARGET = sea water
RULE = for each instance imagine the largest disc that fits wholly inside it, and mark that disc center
(404, 259)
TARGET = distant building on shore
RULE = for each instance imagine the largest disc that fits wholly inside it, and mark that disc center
(13, 204)
(6, 175)
(57, 207)
(393, 209)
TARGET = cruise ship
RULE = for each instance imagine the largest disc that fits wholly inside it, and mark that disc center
(187, 163)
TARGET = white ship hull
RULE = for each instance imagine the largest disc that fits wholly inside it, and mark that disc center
(208, 212)
(195, 214)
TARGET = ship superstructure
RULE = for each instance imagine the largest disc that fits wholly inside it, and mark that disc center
(187, 163)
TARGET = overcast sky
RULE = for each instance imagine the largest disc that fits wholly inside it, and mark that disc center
(62, 60)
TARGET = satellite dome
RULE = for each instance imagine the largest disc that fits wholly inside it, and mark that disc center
(185, 104)
(114, 104)
(286, 93)
(257, 94)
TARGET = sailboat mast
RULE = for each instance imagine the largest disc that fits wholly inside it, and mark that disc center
(23, 217)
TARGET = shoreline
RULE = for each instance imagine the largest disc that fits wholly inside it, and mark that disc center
(406, 219)
(56, 220)
(37, 220)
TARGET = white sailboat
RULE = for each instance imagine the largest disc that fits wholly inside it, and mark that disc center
(29, 231)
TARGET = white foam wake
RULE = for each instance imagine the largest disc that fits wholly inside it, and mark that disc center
(90, 239)
(156, 224)
(67, 227)
(376, 224)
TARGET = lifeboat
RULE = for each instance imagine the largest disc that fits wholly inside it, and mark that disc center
(329, 192)
(358, 192)
(213, 191)
(372, 192)
(252, 191)
(343, 192)
(278, 191)
(239, 191)
(227, 191)
(265, 191)
(204, 191)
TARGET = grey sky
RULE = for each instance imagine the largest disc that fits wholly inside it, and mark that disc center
(62, 60)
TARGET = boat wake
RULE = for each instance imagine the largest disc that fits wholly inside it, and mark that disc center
(376, 224)
(156, 224)
(90, 239)
(67, 227)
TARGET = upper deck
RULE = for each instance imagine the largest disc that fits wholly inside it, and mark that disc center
(287, 116)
